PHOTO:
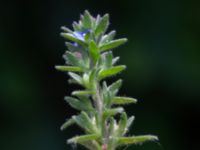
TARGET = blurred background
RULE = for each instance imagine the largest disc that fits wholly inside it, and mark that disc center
(162, 56)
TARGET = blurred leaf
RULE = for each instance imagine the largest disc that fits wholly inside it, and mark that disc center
(68, 68)
(87, 20)
(111, 71)
(84, 138)
(68, 123)
(86, 81)
(72, 47)
(82, 93)
(73, 38)
(130, 121)
(65, 29)
(108, 59)
(136, 139)
(114, 87)
(72, 59)
(112, 44)
(122, 124)
(115, 60)
(112, 112)
(123, 100)
(76, 77)
(107, 38)
(76, 26)
(78, 104)
(102, 25)
(94, 51)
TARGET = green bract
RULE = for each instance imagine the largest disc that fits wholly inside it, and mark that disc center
(89, 61)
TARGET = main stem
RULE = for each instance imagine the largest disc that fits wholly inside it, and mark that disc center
(99, 107)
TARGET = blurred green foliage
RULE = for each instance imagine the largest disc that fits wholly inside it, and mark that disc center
(163, 62)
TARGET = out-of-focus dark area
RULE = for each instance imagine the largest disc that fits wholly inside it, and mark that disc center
(162, 56)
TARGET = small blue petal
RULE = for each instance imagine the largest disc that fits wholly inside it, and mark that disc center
(80, 35)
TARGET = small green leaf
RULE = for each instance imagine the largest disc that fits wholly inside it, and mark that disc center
(115, 60)
(83, 138)
(123, 100)
(114, 87)
(87, 20)
(82, 93)
(68, 123)
(102, 25)
(80, 121)
(111, 71)
(111, 112)
(108, 59)
(65, 29)
(130, 121)
(76, 77)
(76, 26)
(136, 139)
(86, 81)
(73, 38)
(72, 59)
(112, 44)
(92, 78)
(112, 124)
(77, 104)
(94, 51)
(72, 47)
(122, 124)
(68, 68)
(86, 123)
(107, 38)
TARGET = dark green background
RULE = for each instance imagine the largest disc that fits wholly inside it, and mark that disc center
(162, 56)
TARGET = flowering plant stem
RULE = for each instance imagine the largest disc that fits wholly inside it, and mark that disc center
(89, 61)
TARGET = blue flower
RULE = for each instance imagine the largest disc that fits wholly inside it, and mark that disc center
(80, 35)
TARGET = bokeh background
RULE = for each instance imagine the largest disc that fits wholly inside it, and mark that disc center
(162, 56)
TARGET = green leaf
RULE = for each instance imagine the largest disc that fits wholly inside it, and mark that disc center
(122, 124)
(111, 112)
(87, 20)
(111, 71)
(136, 139)
(68, 68)
(123, 100)
(82, 93)
(115, 60)
(86, 81)
(83, 138)
(72, 47)
(76, 26)
(85, 122)
(68, 123)
(112, 44)
(129, 122)
(94, 51)
(108, 59)
(77, 104)
(102, 25)
(107, 38)
(114, 87)
(65, 29)
(73, 38)
(112, 124)
(72, 59)
(76, 77)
